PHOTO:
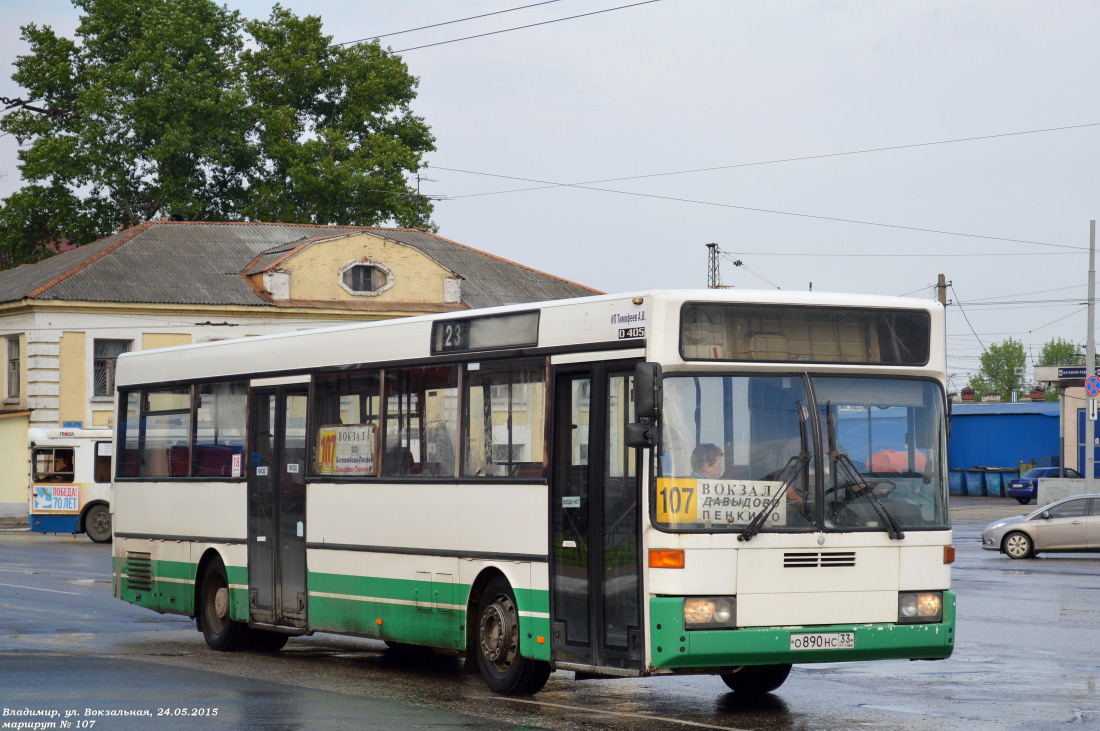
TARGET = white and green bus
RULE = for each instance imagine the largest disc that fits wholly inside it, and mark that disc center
(670, 482)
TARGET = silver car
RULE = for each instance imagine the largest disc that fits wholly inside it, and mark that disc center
(1070, 524)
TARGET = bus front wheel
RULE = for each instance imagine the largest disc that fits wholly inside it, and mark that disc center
(757, 679)
(502, 667)
(220, 632)
(97, 523)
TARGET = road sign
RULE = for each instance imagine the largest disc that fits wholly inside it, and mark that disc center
(1092, 385)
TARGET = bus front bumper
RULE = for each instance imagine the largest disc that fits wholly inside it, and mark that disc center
(673, 647)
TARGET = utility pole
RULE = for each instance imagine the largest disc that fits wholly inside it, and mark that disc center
(714, 278)
(1090, 363)
(941, 290)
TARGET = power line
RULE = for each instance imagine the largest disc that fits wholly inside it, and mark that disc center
(887, 256)
(741, 264)
(778, 161)
(1076, 312)
(714, 204)
(925, 288)
(53, 112)
(447, 22)
(1038, 291)
(986, 303)
(529, 25)
(958, 303)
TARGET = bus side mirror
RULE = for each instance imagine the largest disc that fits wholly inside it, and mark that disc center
(647, 391)
(640, 436)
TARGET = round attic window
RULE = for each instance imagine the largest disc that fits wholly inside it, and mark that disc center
(366, 278)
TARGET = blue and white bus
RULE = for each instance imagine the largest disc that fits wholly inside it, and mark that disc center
(70, 482)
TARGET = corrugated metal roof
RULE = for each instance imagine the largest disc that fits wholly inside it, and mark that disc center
(170, 262)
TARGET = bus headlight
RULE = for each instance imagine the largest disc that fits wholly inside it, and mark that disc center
(919, 607)
(710, 612)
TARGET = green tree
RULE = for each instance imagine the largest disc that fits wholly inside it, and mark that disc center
(1055, 352)
(180, 108)
(997, 370)
(1059, 351)
(333, 128)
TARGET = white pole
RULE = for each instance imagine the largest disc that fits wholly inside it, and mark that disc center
(1090, 360)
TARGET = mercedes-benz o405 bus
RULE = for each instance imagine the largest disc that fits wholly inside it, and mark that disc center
(668, 482)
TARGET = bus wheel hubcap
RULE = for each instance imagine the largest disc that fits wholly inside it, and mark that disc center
(498, 633)
(221, 603)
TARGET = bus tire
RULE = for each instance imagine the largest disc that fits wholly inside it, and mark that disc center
(220, 632)
(502, 667)
(97, 523)
(757, 679)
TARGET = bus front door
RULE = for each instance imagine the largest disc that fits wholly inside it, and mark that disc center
(596, 524)
(277, 506)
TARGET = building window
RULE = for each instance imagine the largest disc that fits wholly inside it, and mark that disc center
(366, 278)
(13, 367)
(103, 368)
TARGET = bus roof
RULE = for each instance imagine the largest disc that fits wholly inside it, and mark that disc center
(584, 322)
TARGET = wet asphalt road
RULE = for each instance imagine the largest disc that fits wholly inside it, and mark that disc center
(1028, 633)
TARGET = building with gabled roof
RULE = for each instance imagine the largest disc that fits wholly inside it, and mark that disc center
(64, 320)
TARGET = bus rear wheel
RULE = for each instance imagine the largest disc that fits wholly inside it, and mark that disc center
(220, 632)
(97, 523)
(757, 679)
(502, 667)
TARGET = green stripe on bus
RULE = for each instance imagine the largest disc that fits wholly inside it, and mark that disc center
(172, 588)
(455, 595)
(414, 612)
(673, 646)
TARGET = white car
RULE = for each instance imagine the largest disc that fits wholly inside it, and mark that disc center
(1071, 524)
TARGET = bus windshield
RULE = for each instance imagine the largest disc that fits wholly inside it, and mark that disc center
(754, 453)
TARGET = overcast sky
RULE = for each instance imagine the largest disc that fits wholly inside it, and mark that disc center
(764, 127)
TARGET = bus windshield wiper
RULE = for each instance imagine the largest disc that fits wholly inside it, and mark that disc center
(794, 467)
(853, 481)
(857, 487)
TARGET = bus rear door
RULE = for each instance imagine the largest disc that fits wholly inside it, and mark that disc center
(277, 506)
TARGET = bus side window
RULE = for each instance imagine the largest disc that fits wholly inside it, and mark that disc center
(505, 406)
(102, 471)
(420, 415)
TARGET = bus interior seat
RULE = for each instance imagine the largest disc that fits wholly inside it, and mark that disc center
(214, 460)
(179, 461)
